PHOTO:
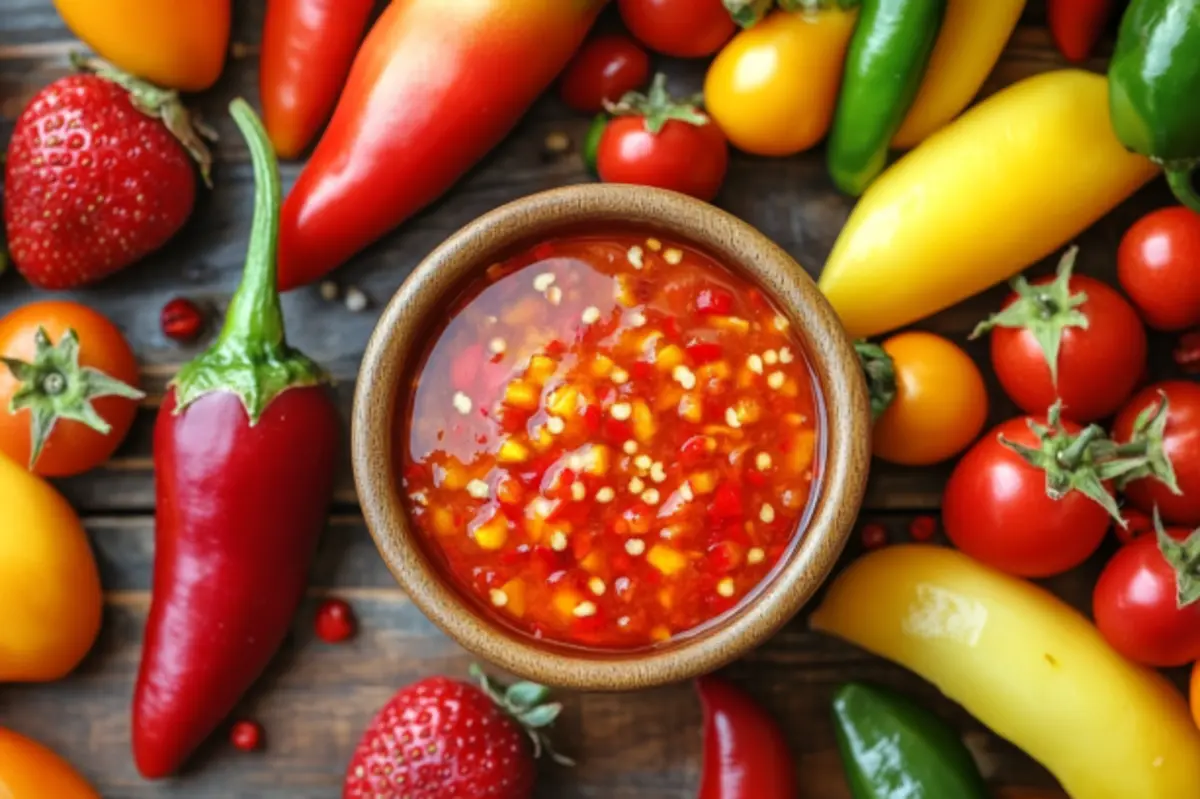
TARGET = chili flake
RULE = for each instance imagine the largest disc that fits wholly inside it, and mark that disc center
(611, 441)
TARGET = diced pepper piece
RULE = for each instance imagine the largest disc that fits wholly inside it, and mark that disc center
(667, 560)
(565, 600)
(509, 491)
(541, 369)
(747, 410)
(703, 482)
(702, 352)
(715, 371)
(691, 408)
(669, 357)
(492, 533)
(696, 449)
(666, 598)
(442, 519)
(799, 456)
(644, 426)
(727, 502)
(519, 394)
(735, 324)
(668, 398)
(515, 589)
(598, 460)
(454, 475)
(563, 401)
(602, 366)
(594, 562)
(512, 451)
(714, 300)
(660, 634)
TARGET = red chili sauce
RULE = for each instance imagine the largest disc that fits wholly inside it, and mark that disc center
(612, 440)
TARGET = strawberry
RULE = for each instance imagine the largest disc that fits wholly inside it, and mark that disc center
(445, 739)
(98, 176)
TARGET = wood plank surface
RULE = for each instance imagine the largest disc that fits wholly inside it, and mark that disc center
(317, 697)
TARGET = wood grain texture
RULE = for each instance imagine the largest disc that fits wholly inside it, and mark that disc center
(316, 697)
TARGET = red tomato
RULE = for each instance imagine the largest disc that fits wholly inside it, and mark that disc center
(1181, 443)
(997, 511)
(604, 69)
(103, 378)
(657, 141)
(682, 28)
(1135, 605)
(1157, 266)
(1099, 365)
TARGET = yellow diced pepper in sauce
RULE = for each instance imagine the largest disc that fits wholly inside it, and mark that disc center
(442, 519)
(598, 459)
(667, 560)
(454, 475)
(515, 589)
(541, 368)
(565, 601)
(512, 451)
(703, 482)
(800, 456)
(520, 394)
(492, 533)
(691, 408)
(602, 366)
(644, 426)
(669, 357)
(563, 401)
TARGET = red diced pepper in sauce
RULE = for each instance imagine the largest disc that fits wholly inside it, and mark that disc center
(611, 442)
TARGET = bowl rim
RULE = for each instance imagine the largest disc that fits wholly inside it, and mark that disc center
(401, 334)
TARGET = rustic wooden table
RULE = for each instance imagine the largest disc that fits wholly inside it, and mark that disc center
(316, 697)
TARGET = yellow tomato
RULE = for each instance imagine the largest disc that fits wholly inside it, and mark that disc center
(972, 37)
(179, 44)
(1003, 186)
(941, 401)
(49, 586)
(29, 770)
(1024, 663)
(772, 90)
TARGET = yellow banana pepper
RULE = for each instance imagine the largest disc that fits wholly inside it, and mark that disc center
(1028, 666)
(1003, 186)
(972, 37)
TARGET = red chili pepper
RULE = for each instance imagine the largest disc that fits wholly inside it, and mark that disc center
(435, 86)
(1077, 24)
(745, 754)
(307, 49)
(244, 452)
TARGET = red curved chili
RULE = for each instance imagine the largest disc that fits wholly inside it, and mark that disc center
(244, 452)
(1077, 24)
(745, 755)
(307, 49)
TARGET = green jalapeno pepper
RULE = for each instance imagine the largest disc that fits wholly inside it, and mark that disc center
(888, 55)
(892, 747)
(1154, 88)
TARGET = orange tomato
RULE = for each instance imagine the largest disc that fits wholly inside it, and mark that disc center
(29, 770)
(72, 446)
(49, 585)
(179, 44)
(941, 402)
(1196, 693)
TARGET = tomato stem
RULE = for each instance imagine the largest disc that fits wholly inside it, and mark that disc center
(1072, 457)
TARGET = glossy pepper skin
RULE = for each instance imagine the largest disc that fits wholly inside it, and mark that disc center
(179, 44)
(971, 40)
(913, 247)
(29, 770)
(1014, 655)
(745, 754)
(889, 52)
(436, 85)
(244, 453)
(1154, 80)
(307, 49)
(1076, 25)
(892, 746)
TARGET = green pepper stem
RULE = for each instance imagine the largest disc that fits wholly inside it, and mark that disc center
(255, 316)
(1180, 181)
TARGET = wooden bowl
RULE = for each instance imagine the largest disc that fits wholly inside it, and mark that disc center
(418, 308)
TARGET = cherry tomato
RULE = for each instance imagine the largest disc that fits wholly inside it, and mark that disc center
(1135, 605)
(682, 28)
(605, 68)
(1195, 693)
(105, 369)
(1102, 346)
(996, 509)
(941, 401)
(1181, 443)
(688, 154)
(1157, 266)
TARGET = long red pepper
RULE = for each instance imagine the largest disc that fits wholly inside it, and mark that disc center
(745, 755)
(435, 86)
(1077, 24)
(244, 452)
(307, 49)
